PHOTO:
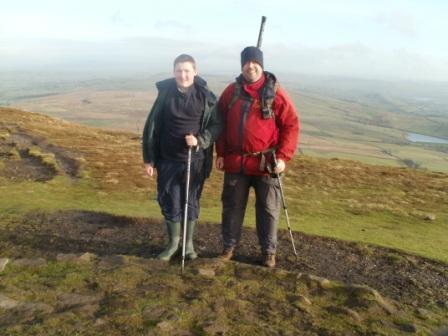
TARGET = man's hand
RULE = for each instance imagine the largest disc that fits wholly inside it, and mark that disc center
(280, 166)
(191, 140)
(149, 169)
(219, 163)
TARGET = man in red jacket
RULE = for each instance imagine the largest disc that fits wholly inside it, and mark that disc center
(259, 120)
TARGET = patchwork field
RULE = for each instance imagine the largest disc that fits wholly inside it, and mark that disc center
(347, 121)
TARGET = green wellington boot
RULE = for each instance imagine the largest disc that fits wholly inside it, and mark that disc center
(173, 231)
(189, 248)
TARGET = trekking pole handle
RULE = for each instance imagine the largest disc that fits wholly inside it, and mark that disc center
(274, 160)
(260, 34)
(274, 165)
(190, 134)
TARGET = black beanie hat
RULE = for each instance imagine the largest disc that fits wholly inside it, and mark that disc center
(251, 54)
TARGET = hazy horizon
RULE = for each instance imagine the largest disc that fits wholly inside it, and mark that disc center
(402, 41)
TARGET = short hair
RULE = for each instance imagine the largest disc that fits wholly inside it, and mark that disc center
(184, 58)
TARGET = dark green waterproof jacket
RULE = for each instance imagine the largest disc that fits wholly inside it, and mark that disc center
(211, 125)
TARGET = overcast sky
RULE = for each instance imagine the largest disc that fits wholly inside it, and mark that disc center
(386, 39)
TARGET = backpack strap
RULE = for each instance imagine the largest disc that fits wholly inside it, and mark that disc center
(236, 93)
(267, 95)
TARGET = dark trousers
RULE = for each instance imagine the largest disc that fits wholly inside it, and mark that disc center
(171, 180)
(268, 202)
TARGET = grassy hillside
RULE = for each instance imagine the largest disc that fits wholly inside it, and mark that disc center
(79, 230)
(93, 169)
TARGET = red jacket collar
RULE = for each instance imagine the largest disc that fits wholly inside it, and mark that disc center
(253, 89)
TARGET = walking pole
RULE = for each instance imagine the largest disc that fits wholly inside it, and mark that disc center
(280, 184)
(187, 187)
(278, 176)
(260, 34)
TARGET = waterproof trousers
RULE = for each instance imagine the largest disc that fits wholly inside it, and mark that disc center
(171, 178)
(267, 209)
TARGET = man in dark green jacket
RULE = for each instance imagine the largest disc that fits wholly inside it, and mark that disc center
(184, 115)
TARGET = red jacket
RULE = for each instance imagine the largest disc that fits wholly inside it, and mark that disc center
(246, 134)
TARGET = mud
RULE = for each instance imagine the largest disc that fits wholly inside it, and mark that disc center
(407, 278)
(18, 165)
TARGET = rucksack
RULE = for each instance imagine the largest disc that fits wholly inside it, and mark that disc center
(267, 95)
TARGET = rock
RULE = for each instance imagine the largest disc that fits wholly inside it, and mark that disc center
(153, 313)
(165, 326)
(87, 257)
(300, 302)
(66, 257)
(68, 301)
(316, 281)
(429, 217)
(36, 262)
(99, 322)
(246, 273)
(301, 299)
(206, 272)
(112, 261)
(35, 309)
(25, 312)
(72, 257)
(407, 327)
(113, 181)
(345, 311)
(3, 263)
(216, 328)
(423, 313)
(7, 303)
(81, 304)
(364, 296)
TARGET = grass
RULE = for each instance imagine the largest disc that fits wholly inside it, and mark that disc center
(47, 159)
(62, 194)
(336, 198)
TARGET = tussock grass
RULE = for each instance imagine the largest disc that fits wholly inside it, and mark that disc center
(47, 159)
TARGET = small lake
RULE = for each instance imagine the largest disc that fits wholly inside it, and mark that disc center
(415, 137)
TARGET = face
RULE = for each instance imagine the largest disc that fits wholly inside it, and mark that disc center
(184, 73)
(252, 71)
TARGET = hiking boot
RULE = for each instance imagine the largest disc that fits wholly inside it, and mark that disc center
(269, 260)
(227, 254)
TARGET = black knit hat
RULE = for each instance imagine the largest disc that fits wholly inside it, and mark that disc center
(251, 54)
